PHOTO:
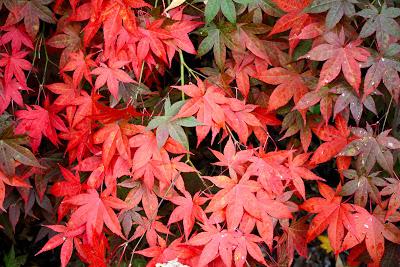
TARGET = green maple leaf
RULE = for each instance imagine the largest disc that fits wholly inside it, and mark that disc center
(10, 260)
(336, 9)
(381, 23)
(218, 38)
(227, 8)
(167, 125)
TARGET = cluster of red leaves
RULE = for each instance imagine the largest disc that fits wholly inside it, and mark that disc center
(129, 149)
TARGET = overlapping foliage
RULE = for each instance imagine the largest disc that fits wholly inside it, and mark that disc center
(217, 133)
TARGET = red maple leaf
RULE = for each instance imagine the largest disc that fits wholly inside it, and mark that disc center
(70, 187)
(95, 210)
(179, 30)
(235, 161)
(12, 181)
(339, 56)
(239, 117)
(336, 138)
(93, 251)
(37, 121)
(163, 253)
(15, 64)
(150, 228)
(294, 238)
(114, 137)
(15, 34)
(206, 101)
(222, 243)
(295, 19)
(290, 85)
(65, 236)
(235, 198)
(392, 189)
(10, 91)
(80, 64)
(112, 75)
(152, 39)
(331, 214)
(188, 210)
(374, 230)
(299, 171)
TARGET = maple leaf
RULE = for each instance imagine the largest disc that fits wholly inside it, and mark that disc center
(294, 238)
(362, 185)
(258, 6)
(65, 90)
(223, 243)
(65, 236)
(95, 210)
(246, 36)
(11, 150)
(235, 197)
(17, 36)
(239, 117)
(331, 214)
(216, 242)
(294, 19)
(32, 11)
(70, 187)
(37, 121)
(217, 39)
(347, 98)
(323, 96)
(112, 75)
(69, 40)
(114, 137)
(371, 149)
(275, 208)
(80, 64)
(227, 8)
(266, 119)
(151, 39)
(290, 84)
(206, 102)
(382, 23)
(270, 171)
(235, 161)
(106, 114)
(373, 229)
(392, 189)
(299, 171)
(312, 30)
(294, 123)
(188, 210)
(15, 64)
(337, 9)
(247, 244)
(242, 68)
(336, 138)
(150, 227)
(11, 91)
(168, 125)
(147, 158)
(14, 181)
(94, 250)
(383, 67)
(339, 56)
(180, 29)
(163, 253)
